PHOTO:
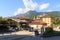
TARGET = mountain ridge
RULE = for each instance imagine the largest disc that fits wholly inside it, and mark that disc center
(30, 14)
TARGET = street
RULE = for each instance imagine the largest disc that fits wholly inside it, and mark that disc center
(25, 35)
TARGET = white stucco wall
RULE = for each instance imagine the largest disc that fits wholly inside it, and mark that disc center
(34, 26)
(56, 28)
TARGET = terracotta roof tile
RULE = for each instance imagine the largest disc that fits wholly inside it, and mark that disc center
(25, 18)
(38, 22)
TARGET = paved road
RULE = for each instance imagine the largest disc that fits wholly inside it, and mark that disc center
(53, 38)
(32, 38)
(25, 35)
(15, 35)
(38, 38)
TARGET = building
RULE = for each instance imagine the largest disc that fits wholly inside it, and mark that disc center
(26, 19)
(37, 24)
(46, 19)
(56, 28)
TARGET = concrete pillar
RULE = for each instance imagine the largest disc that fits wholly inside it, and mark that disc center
(42, 30)
(18, 25)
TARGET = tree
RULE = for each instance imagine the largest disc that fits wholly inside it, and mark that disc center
(3, 25)
(0, 18)
(57, 21)
(3, 22)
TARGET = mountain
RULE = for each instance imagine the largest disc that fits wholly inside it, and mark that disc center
(19, 15)
(54, 13)
(30, 14)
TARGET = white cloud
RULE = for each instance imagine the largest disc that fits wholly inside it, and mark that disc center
(44, 6)
(29, 5)
(19, 11)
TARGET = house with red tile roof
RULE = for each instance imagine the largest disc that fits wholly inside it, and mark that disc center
(47, 19)
(37, 24)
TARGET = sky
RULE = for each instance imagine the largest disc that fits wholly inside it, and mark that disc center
(15, 7)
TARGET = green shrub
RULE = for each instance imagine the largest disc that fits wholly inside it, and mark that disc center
(48, 30)
(3, 22)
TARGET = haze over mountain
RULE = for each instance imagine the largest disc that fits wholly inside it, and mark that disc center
(30, 14)
(54, 13)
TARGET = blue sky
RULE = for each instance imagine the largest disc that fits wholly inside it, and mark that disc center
(15, 7)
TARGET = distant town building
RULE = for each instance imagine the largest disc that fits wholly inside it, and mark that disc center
(45, 18)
